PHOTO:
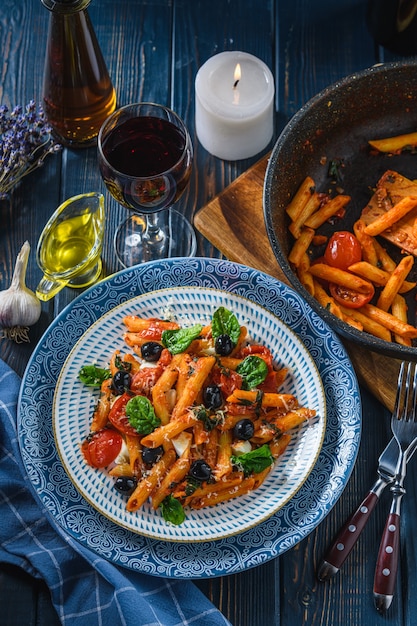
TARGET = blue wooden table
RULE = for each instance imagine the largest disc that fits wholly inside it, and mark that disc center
(153, 50)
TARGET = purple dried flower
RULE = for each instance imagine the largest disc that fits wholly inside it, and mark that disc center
(25, 142)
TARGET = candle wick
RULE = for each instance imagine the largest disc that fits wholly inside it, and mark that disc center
(235, 83)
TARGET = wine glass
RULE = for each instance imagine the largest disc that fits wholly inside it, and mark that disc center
(145, 156)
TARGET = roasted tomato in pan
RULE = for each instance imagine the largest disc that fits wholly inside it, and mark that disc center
(101, 448)
(349, 298)
(343, 249)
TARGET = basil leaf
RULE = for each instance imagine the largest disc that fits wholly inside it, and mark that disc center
(141, 415)
(224, 322)
(254, 461)
(210, 420)
(253, 370)
(93, 376)
(121, 365)
(178, 340)
(172, 510)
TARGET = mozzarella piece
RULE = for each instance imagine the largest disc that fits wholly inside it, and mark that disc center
(182, 442)
(241, 447)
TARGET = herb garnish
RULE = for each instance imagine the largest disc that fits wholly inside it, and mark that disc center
(93, 376)
(172, 510)
(254, 461)
(141, 415)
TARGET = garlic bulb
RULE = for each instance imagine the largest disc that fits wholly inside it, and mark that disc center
(19, 306)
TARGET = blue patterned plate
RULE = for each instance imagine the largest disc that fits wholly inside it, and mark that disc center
(276, 534)
(74, 404)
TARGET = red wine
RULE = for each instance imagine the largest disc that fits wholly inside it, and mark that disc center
(144, 146)
(147, 163)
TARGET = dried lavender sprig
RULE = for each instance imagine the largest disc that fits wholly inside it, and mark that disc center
(25, 142)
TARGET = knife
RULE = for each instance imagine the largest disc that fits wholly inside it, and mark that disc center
(349, 533)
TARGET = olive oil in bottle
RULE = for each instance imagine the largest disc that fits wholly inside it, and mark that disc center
(78, 94)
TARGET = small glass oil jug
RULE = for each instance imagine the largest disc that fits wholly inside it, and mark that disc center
(78, 94)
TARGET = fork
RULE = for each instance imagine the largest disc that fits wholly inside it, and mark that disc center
(404, 429)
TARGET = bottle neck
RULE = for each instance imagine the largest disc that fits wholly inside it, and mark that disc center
(65, 6)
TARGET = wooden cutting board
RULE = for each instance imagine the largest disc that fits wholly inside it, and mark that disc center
(233, 221)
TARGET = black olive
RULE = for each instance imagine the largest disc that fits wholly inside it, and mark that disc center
(223, 345)
(200, 470)
(121, 381)
(151, 455)
(212, 397)
(126, 484)
(151, 351)
(243, 429)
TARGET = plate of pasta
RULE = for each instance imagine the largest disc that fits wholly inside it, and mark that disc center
(75, 517)
(189, 414)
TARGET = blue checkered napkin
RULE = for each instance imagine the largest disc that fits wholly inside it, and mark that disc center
(86, 590)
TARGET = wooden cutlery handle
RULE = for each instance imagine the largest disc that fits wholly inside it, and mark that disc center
(347, 537)
(387, 563)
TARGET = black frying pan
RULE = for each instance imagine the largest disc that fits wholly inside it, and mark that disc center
(337, 124)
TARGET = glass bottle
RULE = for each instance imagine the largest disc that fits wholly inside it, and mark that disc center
(393, 24)
(78, 94)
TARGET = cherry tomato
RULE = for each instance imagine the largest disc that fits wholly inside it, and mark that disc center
(349, 298)
(227, 380)
(145, 379)
(118, 417)
(101, 448)
(343, 249)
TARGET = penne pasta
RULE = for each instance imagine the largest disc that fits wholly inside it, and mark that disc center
(399, 310)
(341, 277)
(148, 483)
(102, 410)
(394, 283)
(301, 246)
(327, 211)
(244, 487)
(394, 214)
(179, 442)
(299, 201)
(310, 207)
(394, 144)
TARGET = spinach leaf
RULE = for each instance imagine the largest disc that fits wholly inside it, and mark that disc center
(224, 322)
(172, 510)
(254, 461)
(141, 415)
(93, 376)
(253, 370)
(178, 340)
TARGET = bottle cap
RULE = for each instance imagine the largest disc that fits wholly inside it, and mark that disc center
(65, 6)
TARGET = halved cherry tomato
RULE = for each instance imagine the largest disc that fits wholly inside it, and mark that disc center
(101, 448)
(262, 351)
(227, 380)
(118, 417)
(144, 380)
(349, 298)
(343, 249)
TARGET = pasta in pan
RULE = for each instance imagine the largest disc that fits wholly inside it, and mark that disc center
(190, 416)
(356, 279)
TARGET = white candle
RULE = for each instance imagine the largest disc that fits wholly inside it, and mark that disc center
(234, 112)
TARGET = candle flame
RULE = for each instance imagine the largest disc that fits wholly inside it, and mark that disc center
(237, 75)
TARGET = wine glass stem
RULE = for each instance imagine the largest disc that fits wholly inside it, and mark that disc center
(154, 237)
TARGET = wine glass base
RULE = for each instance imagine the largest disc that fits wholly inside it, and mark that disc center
(176, 238)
